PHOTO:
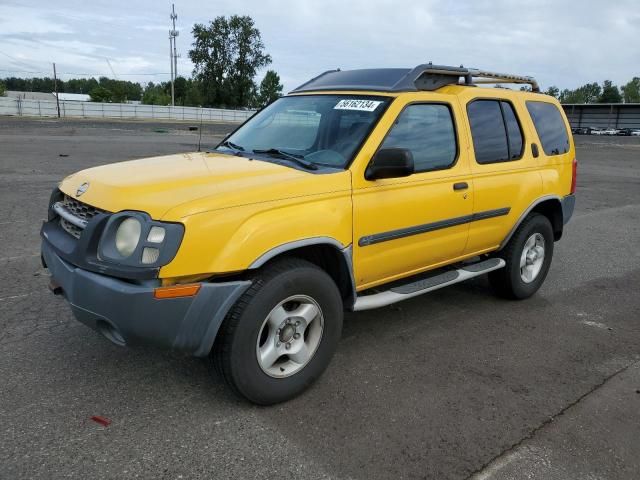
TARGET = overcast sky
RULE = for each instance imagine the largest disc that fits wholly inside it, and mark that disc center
(564, 43)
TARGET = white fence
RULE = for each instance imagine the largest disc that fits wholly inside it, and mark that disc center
(46, 108)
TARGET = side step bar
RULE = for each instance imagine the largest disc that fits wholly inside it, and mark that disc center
(413, 289)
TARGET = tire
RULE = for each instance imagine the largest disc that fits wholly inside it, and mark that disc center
(513, 281)
(276, 314)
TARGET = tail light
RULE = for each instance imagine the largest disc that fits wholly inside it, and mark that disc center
(574, 175)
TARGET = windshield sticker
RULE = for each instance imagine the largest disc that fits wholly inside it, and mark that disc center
(361, 105)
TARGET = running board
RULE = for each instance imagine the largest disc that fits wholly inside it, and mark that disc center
(413, 289)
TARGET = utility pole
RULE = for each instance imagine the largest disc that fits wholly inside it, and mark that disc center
(55, 88)
(173, 54)
(171, 62)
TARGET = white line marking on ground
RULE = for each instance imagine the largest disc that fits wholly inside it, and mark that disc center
(589, 323)
(11, 297)
(6, 259)
(14, 221)
(498, 464)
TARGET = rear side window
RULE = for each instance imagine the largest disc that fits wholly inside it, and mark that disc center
(550, 127)
(514, 134)
(497, 136)
(428, 131)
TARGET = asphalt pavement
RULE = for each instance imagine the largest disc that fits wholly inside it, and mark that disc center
(453, 385)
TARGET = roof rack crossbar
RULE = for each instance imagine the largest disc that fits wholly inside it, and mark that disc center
(432, 77)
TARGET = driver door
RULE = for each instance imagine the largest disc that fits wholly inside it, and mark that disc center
(403, 226)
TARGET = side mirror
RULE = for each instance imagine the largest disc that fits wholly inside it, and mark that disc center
(390, 163)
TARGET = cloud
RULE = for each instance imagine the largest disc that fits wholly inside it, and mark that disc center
(560, 42)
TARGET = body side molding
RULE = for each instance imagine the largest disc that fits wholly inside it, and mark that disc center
(430, 227)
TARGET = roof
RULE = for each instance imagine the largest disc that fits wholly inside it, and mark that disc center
(609, 105)
(29, 95)
(423, 77)
(74, 97)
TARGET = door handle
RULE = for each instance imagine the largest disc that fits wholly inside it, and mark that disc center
(460, 186)
(534, 150)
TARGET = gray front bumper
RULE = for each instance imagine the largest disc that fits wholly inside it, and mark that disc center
(127, 313)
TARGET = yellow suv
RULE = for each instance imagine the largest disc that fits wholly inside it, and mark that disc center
(357, 190)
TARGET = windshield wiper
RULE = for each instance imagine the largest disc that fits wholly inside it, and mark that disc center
(231, 145)
(299, 159)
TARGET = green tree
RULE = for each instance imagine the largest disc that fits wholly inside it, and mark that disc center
(226, 55)
(631, 91)
(180, 90)
(193, 97)
(100, 94)
(156, 95)
(553, 91)
(588, 93)
(2, 89)
(610, 93)
(270, 89)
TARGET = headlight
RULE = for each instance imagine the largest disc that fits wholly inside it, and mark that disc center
(133, 239)
(128, 236)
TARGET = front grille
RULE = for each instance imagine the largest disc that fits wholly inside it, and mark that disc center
(80, 210)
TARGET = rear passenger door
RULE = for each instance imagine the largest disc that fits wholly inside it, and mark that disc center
(505, 173)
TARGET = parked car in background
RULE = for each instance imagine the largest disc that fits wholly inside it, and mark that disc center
(596, 131)
(581, 130)
(626, 132)
(635, 133)
(610, 131)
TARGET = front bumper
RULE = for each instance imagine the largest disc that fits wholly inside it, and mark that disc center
(129, 314)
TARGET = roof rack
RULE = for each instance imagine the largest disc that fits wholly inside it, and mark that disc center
(423, 77)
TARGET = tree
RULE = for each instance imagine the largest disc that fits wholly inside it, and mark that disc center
(156, 94)
(588, 93)
(193, 97)
(610, 93)
(226, 55)
(631, 91)
(270, 89)
(180, 90)
(553, 91)
(100, 94)
(2, 89)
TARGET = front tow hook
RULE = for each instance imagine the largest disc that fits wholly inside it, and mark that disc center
(55, 288)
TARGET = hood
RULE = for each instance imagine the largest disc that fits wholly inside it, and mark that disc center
(190, 183)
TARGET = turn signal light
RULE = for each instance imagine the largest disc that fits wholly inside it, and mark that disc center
(177, 291)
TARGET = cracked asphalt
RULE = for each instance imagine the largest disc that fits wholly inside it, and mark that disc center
(453, 385)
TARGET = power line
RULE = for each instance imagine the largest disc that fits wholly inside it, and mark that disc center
(96, 74)
(24, 64)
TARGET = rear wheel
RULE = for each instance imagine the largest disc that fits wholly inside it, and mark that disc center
(528, 258)
(281, 334)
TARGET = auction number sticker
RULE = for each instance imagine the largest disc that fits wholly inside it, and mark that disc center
(361, 105)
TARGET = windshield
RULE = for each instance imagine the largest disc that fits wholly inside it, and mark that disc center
(323, 130)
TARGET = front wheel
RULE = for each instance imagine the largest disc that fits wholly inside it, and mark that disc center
(281, 334)
(528, 258)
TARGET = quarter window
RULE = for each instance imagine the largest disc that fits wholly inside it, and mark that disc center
(550, 127)
(497, 136)
(427, 130)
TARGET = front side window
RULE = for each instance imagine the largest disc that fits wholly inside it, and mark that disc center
(551, 129)
(325, 130)
(427, 130)
(496, 133)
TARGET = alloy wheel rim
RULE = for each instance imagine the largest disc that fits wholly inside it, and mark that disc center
(289, 337)
(532, 258)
